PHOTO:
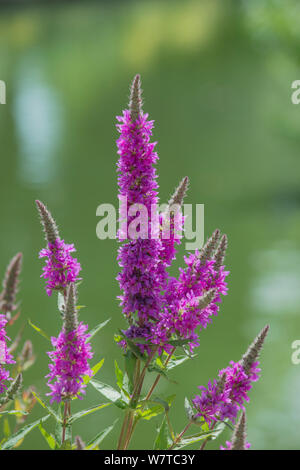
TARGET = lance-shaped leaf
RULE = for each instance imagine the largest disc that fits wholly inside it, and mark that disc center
(163, 439)
(39, 330)
(150, 408)
(50, 410)
(48, 438)
(97, 328)
(212, 434)
(13, 412)
(109, 392)
(93, 443)
(86, 412)
(19, 435)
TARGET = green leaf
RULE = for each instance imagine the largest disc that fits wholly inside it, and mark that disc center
(109, 392)
(154, 407)
(48, 437)
(179, 342)
(97, 328)
(119, 376)
(162, 440)
(47, 407)
(130, 365)
(6, 428)
(210, 434)
(86, 412)
(100, 437)
(188, 409)
(15, 438)
(95, 369)
(13, 412)
(176, 361)
(41, 332)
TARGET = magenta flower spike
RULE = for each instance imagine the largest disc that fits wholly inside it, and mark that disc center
(61, 268)
(70, 356)
(142, 276)
(224, 398)
(5, 356)
(159, 307)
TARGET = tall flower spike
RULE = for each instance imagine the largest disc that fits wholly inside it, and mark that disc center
(220, 253)
(252, 353)
(12, 390)
(209, 247)
(10, 284)
(238, 440)
(179, 193)
(70, 315)
(172, 223)
(136, 102)
(48, 223)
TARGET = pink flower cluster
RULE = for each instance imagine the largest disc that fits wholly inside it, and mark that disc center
(5, 356)
(70, 364)
(61, 268)
(157, 306)
(223, 398)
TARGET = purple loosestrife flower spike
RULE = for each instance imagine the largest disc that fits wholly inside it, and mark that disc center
(179, 194)
(209, 247)
(48, 223)
(136, 102)
(5, 356)
(251, 355)
(10, 285)
(220, 253)
(69, 364)
(61, 268)
(70, 314)
(238, 441)
(12, 390)
(142, 277)
(172, 223)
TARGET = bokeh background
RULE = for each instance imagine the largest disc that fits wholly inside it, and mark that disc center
(217, 80)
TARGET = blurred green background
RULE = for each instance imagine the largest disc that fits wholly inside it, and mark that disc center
(217, 80)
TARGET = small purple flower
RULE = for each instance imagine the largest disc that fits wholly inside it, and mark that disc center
(61, 268)
(70, 364)
(5, 356)
(208, 404)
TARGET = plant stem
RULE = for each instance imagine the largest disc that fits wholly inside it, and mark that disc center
(67, 413)
(158, 375)
(206, 440)
(179, 437)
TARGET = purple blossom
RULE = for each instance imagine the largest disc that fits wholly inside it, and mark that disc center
(183, 312)
(61, 268)
(157, 306)
(215, 404)
(70, 364)
(5, 356)
(142, 276)
(209, 402)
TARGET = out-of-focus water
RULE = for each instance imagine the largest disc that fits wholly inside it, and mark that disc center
(217, 82)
